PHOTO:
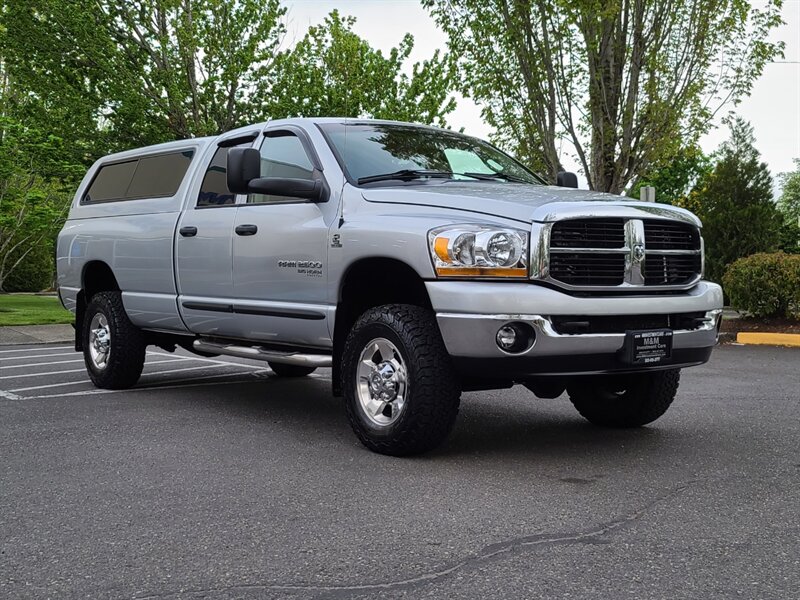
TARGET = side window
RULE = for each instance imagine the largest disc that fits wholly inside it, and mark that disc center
(159, 176)
(148, 177)
(111, 182)
(214, 189)
(282, 155)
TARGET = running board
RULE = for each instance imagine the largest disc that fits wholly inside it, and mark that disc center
(261, 353)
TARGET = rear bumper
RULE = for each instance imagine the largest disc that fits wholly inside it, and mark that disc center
(470, 337)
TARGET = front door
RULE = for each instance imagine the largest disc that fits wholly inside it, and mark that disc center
(204, 253)
(280, 253)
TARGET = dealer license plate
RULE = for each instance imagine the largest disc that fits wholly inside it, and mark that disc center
(648, 347)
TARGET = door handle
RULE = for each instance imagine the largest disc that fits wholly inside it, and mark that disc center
(246, 229)
(188, 231)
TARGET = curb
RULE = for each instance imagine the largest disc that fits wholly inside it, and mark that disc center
(13, 335)
(768, 339)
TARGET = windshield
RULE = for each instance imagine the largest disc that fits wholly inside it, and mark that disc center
(368, 151)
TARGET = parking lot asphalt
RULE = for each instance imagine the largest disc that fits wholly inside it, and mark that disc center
(215, 479)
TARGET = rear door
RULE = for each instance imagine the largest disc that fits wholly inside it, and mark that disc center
(280, 251)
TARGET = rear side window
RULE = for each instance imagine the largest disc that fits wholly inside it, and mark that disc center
(148, 177)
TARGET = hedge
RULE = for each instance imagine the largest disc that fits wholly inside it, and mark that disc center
(765, 284)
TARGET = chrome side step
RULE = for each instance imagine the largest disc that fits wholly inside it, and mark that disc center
(261, 353)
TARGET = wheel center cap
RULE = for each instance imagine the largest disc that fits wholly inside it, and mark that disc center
(382, 383)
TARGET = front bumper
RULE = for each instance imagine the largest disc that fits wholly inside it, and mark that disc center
(470, 313)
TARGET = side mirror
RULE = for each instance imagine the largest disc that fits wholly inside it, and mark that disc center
(244, 177)
(567, 179)
(285, 186)
(244, 165)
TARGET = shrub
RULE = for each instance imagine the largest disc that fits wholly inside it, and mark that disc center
(765, 285)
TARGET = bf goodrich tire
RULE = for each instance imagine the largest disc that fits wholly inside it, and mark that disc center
(400, 389)
(113, 348)
(282, 370)
(625, 400)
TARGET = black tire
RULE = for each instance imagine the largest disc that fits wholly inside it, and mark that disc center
(431, 390)
(282, 370)
(127, 345)
(625, 400)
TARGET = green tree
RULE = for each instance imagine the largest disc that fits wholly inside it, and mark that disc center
(143, 71)
(735, 203)
(332, 71)
(635, 79)
(674, 180)
(789, 205)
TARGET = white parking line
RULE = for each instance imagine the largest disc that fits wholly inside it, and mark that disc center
(9, 395)
(52, 385)
(158, 362)
(36, 349)
(55, 362)
(210, 360)
(253, 375)
(39, 356)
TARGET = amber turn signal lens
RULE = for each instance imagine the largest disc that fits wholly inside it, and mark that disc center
(481, 272)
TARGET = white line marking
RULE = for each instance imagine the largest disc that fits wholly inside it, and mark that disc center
(217, 362)
(9, 395)
(40, 349)
(52, 385)
(55, 362)
(95, 392)
(39, 356)
(42, 374)
(158, 362)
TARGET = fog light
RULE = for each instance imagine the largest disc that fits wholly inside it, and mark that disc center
(515, 338)
(507, 337)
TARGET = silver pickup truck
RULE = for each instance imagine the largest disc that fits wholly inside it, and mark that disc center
(416, 262)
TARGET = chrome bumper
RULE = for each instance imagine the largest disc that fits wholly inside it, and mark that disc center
(472, 335)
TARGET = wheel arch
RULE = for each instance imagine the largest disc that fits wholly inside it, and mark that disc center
(96, 276)
(367, 283)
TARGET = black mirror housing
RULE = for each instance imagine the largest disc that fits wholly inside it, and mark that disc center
(307, 189)
(567, 179)
(244, 165)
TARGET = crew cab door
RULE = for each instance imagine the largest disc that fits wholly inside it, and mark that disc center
(204, 253)
(280, 252)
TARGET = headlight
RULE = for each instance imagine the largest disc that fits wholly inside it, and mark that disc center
(479, 251)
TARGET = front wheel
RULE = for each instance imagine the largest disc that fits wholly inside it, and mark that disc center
(625, 400)
(113, 347)
(400, 389)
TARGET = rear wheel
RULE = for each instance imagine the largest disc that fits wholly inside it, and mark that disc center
(282, 370)
(399, 385)
(625, 400)
(113, 347)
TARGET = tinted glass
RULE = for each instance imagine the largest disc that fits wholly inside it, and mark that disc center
(158, 176)
(214, 189)
(283, 155)
(368, 149)
(111, 182)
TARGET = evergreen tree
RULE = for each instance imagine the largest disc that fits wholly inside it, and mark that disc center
(735, 203)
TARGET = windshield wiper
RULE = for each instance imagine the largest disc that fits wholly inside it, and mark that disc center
(491, 176)
(405, 175)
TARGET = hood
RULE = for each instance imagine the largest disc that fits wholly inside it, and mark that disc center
(526, 203)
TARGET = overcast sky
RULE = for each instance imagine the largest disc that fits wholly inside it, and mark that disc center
(773, 108)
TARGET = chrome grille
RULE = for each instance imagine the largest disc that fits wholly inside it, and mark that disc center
(671, 269)
(601, 253)
(588, 233)
(671, 235)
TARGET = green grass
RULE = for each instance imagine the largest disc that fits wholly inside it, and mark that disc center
(24, 309)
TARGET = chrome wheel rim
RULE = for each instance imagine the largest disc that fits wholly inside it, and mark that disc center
(99, 341)
(381, 382)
